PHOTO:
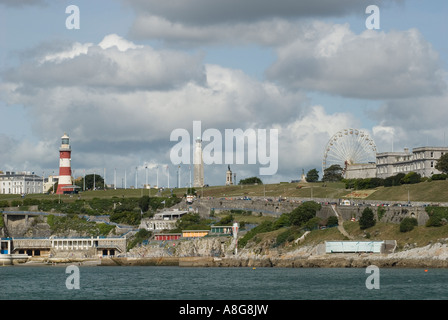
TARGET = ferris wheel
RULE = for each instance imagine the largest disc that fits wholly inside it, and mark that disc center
(349, 146)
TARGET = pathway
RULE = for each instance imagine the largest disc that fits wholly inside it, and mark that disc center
(341, 223)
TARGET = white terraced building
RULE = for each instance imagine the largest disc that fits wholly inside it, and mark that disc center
(421, 160)
(20, 183)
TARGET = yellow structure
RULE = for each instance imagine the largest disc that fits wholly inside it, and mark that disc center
(194, 233)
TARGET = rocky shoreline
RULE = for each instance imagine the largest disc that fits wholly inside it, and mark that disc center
(216, 252)
(197, 254)
(318, 262)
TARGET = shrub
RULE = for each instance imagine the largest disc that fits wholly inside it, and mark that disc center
(437, 216)
(51, 220)
(4, 204)
(250, 181)
(434, 221)
(126, 217)
(31, 202)
(226, 220)
(16, 203)
(439, 176)
(283, 221)
(139, 237)
(394, 180)
(104, 228)
(312, 223)
(411, 177)
(407, 224)
(287, 236)
(265, 226)
(380, 212)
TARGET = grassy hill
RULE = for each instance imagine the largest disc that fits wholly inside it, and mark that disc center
(430, 192)
(434, 191)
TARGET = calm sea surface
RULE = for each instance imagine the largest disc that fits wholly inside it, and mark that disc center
(167, 283)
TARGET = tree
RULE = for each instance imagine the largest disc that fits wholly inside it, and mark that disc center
(303, 213)
(333, 173)
(394, 180)
(367, 219)
(407, 224)
(411, 177)
(143, 203)
(92, 180)
(251, 180)
(442, 164)
(312, 175)
(332, 221)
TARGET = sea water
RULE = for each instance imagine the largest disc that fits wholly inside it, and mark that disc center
(177, 283)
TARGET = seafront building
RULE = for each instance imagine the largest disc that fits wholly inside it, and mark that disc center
(165, 220)
(20, 183)
(421, 160)
(81, 247)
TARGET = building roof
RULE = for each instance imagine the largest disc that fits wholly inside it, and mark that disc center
(12, 174)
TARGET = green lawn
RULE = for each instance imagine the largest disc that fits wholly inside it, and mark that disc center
(434, 191)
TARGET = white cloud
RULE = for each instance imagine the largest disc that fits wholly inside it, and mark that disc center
(23, 155)
(113, 127)
(75, 50)
(416, 122)
(303, 141)
(372, 65)
(114, 40)
(120, 100)
(115, 64)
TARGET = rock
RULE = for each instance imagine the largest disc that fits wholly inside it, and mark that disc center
(219, 252)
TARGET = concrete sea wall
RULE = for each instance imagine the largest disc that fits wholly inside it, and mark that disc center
(394, 214)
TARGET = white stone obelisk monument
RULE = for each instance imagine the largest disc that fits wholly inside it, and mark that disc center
(198, 181)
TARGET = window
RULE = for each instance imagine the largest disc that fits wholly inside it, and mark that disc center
(432, 154)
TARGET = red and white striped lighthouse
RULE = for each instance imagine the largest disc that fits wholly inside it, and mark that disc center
(65, 170)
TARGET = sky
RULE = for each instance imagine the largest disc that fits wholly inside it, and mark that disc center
(137, 70)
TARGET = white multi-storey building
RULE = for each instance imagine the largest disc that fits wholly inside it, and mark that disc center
(20, 183)
(421, 160)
